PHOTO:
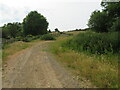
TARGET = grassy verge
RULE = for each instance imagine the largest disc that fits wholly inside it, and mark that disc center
(92, 67)
(12, 48)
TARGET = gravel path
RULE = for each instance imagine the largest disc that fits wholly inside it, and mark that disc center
(36, 68)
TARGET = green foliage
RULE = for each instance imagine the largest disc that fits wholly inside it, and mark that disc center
(29, 38)
(56, 30)
(35, 24)
(11, 30)
(113, 8)
(101, 70)
(106, 20)
(47, 37)
(116, 26)
(49, 31)
(5, 33)
(98, 21)
(19, 38)
(95, 43)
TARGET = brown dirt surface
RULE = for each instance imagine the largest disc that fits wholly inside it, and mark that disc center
(37, 68)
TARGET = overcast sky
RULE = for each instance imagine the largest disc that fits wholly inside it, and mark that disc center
(61, 14)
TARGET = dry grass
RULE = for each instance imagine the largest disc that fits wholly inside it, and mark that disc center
(11, 49)
(75, 32)
(101, 74)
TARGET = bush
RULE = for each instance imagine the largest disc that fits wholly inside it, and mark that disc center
(47, 37)
(95, 43)
(19, 38)
(28, 38)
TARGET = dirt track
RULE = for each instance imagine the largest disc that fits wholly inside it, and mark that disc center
(36, 68)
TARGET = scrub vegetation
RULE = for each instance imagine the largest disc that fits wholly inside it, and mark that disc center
(90, 53)
(100, 69)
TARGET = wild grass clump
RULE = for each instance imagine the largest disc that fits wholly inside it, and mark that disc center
(47, 37)
(95, 43)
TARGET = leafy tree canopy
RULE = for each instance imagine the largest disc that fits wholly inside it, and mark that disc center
(11, 30)
(106, 20)
(35, 24)
(98, 21)
(56, 30)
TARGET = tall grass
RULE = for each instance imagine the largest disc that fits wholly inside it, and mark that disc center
(95, 43)
(93, 56)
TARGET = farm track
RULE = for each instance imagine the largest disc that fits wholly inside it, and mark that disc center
(37, 68)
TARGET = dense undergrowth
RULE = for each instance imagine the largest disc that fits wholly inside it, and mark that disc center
(95, 43)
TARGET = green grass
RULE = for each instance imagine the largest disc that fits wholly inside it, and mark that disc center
(96, 68)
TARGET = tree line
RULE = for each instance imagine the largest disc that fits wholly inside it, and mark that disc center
(33, 24)
(107, 20)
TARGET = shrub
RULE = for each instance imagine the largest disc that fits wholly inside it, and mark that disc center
(37, 37)
(28, 38)
(96, 43)
(19, 38)
(47, 37)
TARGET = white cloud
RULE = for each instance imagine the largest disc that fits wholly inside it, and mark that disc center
(11, 14)
(63, 14)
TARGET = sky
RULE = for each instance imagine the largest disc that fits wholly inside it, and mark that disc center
(62, 14)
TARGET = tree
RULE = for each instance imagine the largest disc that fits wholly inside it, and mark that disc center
(11, 30)
(116, 26)
(113, 11)
(98, 21)
(56, 30)
(107, 19)
(15, 29)
(49, 31)
(5, 32)
(35, 24)
(112, 8)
